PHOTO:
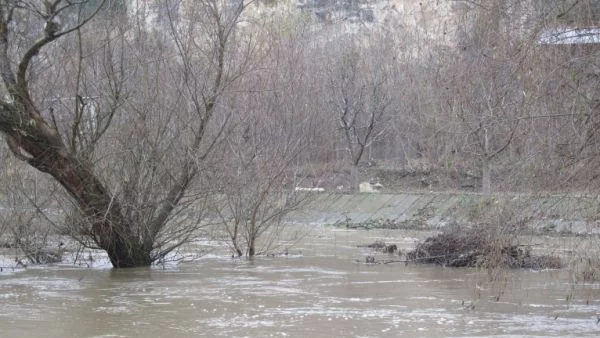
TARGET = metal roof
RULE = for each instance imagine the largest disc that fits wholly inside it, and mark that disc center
(570, 36)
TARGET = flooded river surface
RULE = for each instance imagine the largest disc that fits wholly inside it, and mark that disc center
(322, 288)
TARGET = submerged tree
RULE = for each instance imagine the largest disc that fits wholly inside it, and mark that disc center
(255, 194)
(129, 189)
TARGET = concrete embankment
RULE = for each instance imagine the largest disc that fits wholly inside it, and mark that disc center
(576, 214)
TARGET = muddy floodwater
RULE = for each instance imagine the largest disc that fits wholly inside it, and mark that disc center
(321, 288)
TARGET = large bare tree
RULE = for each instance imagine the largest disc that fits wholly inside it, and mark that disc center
(129, 190)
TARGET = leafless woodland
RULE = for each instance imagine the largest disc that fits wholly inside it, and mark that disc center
(146, 120)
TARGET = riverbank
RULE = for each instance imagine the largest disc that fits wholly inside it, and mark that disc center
(423, 210)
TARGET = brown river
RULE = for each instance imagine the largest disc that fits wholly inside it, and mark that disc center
(321, 288)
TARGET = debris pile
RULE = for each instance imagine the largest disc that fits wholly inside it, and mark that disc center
(470, 247)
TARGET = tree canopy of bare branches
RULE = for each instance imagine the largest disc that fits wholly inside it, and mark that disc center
(127, 138)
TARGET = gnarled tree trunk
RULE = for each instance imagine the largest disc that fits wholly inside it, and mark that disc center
(42, 148)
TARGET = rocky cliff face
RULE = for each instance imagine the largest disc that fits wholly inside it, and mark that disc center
(432, 19)
(425, 19)
(329, 11)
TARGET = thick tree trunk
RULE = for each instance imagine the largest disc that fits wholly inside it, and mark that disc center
(110, 230)
(128, 255)
(252, 247)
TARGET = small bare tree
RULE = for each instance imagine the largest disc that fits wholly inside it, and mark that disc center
(255, 173)
(254, 200)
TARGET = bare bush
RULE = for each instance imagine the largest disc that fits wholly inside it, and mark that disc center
(255, 177)
(493, 244)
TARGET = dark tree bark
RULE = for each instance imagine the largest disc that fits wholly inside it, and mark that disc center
(40, 145)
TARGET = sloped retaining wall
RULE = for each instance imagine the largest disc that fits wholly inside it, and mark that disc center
(578, 214)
